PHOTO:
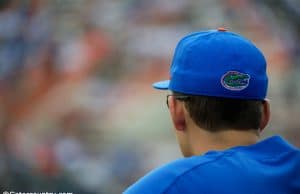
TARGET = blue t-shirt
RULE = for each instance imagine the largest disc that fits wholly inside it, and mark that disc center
(271, 166)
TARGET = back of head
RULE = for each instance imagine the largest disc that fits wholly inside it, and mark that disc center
(216, 113)
(224, 76)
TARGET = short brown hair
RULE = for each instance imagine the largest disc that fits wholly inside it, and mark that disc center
(216, 113)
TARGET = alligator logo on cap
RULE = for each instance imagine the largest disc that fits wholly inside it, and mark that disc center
(234, 80)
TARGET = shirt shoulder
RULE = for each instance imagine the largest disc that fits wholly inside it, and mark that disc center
(272, 160)
(160, 179)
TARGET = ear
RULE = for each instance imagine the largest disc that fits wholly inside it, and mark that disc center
(265, 114)
(177, 113)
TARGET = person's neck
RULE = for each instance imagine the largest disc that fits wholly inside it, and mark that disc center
(203, 141)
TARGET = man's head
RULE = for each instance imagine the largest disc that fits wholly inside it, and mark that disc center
(218, 83)
(216, 114)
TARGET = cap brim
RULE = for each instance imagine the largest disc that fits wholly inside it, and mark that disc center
(162, 85)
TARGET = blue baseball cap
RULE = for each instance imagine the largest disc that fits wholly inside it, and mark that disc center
(217, 63)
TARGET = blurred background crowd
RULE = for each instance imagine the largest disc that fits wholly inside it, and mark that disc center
(77, 111)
